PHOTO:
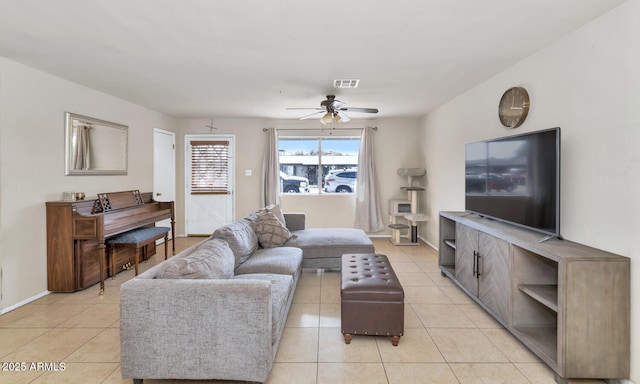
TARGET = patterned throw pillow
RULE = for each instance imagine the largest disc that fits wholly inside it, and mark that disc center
(271, 232)
(277, 211)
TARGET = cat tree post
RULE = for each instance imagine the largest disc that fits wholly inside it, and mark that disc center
(414, 217)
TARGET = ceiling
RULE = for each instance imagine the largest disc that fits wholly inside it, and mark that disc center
(254, 58)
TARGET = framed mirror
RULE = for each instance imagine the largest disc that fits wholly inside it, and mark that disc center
(94, 146)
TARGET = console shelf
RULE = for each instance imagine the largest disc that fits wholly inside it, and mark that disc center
(542, 341)
(547, 295)
(567, 302)
(451, 268)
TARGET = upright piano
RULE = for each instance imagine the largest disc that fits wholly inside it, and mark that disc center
(77, 230)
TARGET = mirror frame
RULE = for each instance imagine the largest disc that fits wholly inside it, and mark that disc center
(122, 150)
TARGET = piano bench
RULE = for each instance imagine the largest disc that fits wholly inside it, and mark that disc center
(137, 238)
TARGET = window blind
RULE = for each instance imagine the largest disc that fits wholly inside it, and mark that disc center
(209, 167)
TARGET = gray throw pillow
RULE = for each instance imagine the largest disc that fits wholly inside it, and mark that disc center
(241, 237)
(271, 232)
(211, 260)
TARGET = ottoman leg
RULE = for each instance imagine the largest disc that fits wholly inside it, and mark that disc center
(394, 340)
(347, 338)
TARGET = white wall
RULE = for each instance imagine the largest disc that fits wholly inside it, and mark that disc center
(588, 84)
(395, 146)
(32, 107)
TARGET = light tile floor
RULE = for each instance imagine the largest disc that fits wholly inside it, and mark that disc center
(448, 338)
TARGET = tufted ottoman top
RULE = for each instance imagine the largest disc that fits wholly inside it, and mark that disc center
(369, 277)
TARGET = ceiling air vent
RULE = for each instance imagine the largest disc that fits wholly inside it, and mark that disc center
(346, 83)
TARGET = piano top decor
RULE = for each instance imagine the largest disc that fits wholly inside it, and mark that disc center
(118, 200)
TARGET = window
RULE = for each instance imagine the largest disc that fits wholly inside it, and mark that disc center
(318, 164)
(209, 167)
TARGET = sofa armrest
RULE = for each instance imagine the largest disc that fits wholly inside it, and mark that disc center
(196, 329)
(295, 221)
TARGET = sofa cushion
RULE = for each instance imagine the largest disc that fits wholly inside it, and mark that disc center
(213, 259)
(330, 242)
(281, 289)
(281, 260)
(241, 237)
(271, 232)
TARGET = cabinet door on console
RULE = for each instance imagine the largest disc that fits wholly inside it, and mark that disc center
(466, 248)
(482, 267)
(494, 266)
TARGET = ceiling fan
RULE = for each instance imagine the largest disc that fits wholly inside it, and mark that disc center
(332, 110)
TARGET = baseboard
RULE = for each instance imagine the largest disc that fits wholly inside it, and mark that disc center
(419, 237)
(428, 243)
(24, 302)
(618, 381)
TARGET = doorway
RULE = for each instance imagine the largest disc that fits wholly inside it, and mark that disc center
(164, 169)
(209, 182)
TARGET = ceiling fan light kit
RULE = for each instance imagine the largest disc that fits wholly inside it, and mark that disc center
(327, 118)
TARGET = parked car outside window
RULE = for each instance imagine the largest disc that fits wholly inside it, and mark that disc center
(341, 181)
(294, 184)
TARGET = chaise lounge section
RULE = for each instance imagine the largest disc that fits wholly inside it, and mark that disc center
(324, 247)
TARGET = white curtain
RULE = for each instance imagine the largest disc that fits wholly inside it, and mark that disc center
(81, 158)
(271, 170)
(368, 213)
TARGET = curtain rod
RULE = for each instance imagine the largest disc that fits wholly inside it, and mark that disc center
(317, 129)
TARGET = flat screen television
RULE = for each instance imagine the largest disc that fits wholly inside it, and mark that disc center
(516, 179)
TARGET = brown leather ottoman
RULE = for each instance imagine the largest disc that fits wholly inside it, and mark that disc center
(372, 299)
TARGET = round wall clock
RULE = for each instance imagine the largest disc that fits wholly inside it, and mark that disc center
(513, 107)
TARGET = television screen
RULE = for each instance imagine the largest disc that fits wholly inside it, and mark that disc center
(516, 179)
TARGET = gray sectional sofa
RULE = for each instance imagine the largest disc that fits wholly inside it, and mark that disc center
(217, 309)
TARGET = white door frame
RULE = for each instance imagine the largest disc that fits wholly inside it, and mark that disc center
(187, 167)
(169, 175)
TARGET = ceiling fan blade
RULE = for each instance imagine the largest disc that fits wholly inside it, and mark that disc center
(334, 108)
(314, 114)
(343, 116)
(363, 110)
(337, 104)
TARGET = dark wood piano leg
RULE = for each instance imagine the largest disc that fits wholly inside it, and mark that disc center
(111, 255)
(173, 233)
(101, 255)
(166, 246)
(137, 259)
